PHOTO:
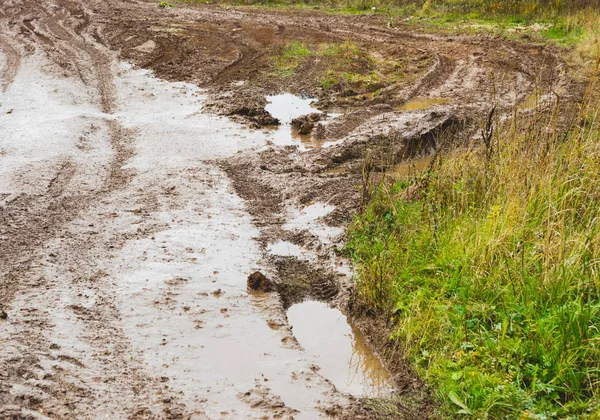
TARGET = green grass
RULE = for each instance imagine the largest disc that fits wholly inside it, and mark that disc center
(488, 265)
(569, 20)
(290, 58)
(339, 66)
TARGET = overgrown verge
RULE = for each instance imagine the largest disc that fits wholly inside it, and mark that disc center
(487, 265)
(566, 22)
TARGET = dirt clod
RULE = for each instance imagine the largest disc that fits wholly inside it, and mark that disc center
(305, 124)
(258, 281)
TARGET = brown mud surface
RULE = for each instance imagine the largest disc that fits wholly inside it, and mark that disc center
(131, 214)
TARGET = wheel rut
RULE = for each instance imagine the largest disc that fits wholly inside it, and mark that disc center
(32, 223)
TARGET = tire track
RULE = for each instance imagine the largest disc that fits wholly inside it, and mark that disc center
(41, 217)
(29, 223)
(13, 61)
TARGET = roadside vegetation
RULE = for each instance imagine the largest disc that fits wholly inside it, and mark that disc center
(563, 22)
(488, 265)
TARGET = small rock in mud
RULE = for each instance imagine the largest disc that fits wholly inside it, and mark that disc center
(306, 123)
(258, 281)
(3, 314)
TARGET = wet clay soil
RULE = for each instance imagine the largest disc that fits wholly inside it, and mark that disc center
(140, 185)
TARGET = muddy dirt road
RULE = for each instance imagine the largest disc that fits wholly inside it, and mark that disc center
(130, 217)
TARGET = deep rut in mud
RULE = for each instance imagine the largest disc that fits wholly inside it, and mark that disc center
(130, 219)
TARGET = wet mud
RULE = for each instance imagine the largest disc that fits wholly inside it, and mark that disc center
(148, 169)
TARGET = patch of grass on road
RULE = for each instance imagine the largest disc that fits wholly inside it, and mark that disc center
(290, 58)
(338, 66)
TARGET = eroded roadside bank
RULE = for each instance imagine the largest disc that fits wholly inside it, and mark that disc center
(132, 212)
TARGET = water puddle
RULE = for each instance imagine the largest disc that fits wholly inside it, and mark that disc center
(308, 217)
(285, 107)
(410, 168)
(285, 249)
(309, 142)
(339, 170)
(422, 103)
(339, 349)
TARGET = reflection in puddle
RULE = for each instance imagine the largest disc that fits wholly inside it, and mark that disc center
(308, 218)
(339, 349)
(410, 168)
(422, 103)
(308, 141)
(285, 107)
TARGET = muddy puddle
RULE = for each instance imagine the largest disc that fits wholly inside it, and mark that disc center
(308, 218)
(417, 104)
(286, 107)
(308, 141)
(339, 349)
(410, 168)
(286, 249)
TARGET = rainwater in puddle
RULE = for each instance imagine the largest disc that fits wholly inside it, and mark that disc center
(410, 168)
(339, 349)
(286, 249)
(285, 107)
(308, 217)
(422, 103)
(339, 170)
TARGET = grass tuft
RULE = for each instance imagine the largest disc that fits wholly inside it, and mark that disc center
(340, 66)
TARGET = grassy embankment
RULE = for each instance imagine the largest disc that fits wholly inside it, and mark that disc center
(488, 265)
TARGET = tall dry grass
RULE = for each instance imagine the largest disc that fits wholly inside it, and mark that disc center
(490, 266)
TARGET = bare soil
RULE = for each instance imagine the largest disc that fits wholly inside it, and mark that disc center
(149, 189)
